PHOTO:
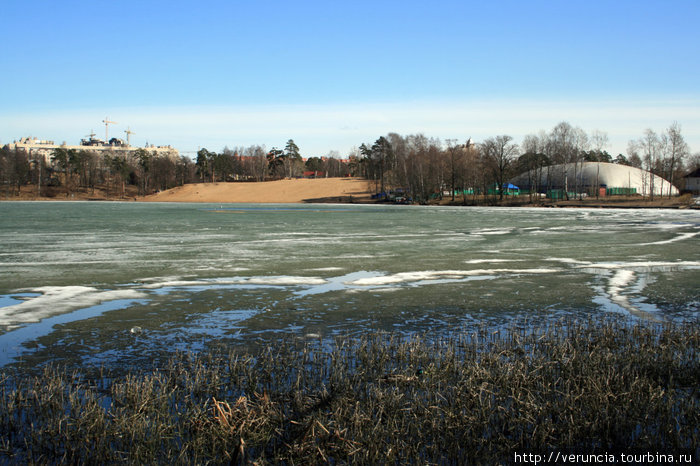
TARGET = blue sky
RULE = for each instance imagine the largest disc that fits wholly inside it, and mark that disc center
(332, 75)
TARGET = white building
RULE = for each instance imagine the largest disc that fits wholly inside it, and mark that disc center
(591, 176)
(692, 182)
(36, 148)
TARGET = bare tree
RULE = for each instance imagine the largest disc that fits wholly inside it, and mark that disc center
(650, 146)
(694, 161)
(534, 160)
(256, 162)
(599, 141)
(633, 158)
(580, 147)
(396, 168)
(472, 169)
(569, 144)
(455, 153)
(422, 167)
(417, 167)
(15, 170)
(354, 162)
(500, 152)
(675, 150)
(562, 139)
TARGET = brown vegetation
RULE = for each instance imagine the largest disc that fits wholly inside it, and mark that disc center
(61, 193)
(476, 397)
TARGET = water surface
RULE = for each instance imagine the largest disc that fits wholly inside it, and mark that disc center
(124, 283)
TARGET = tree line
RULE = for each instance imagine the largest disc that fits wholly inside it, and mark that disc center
(427, 167)
(417, 165)
(255, 163)
(86, 170)
(149, 171)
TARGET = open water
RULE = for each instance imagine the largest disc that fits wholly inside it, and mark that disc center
(126, 283)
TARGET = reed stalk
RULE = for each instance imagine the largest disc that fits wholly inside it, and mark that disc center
(469, 397)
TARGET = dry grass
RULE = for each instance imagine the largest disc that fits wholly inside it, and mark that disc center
(465, 398)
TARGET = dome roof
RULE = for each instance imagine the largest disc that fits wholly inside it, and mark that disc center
(594, 174)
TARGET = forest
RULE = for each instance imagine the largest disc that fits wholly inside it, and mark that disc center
(419, 166)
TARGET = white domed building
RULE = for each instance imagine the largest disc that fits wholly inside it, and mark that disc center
(592, 178)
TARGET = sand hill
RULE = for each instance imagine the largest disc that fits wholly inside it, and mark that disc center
(283, 191)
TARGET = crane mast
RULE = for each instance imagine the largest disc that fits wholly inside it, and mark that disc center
(128, 135)
(107, 123)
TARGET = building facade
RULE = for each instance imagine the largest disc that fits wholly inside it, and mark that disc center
(692, 182)
(37, 148)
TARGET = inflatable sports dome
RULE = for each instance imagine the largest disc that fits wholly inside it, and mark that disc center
(590, 176)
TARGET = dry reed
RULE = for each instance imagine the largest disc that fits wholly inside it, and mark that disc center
(470, 397)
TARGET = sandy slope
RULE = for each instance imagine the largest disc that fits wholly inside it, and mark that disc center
(287, 191)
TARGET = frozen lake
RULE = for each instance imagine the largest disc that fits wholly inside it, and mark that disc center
(123, 283)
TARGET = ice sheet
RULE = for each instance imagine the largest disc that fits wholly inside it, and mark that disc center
(54, 300)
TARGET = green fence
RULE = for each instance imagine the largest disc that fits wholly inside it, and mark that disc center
(506, 192)
(560, 194)
(620, 191)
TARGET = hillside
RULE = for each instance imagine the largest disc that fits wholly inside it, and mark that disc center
(281, 191)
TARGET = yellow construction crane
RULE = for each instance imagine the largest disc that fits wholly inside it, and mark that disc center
(107, 123)
(128, 134)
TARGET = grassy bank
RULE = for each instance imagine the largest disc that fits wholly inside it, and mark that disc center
(476, 397)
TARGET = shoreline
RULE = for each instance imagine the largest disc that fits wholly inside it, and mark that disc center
(324, 191)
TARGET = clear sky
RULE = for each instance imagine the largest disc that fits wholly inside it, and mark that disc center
(332, 75)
